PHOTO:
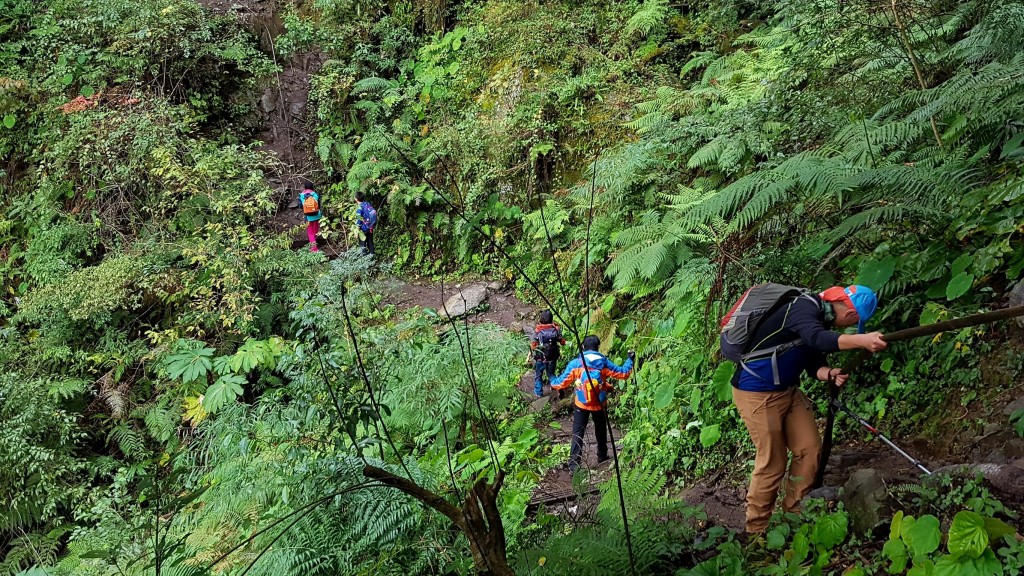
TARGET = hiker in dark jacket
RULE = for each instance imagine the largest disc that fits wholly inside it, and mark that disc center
(589, 373)
(546, 343)
(777, 415)
(366, 219)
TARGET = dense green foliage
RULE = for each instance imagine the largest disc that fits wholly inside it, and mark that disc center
(182, 393)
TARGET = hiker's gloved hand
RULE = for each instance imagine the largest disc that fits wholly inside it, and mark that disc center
(632, 355)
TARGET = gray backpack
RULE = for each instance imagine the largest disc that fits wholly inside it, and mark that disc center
(745, 317)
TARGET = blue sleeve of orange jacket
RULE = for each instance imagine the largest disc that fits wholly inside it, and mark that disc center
(566, 378)
(612, 370)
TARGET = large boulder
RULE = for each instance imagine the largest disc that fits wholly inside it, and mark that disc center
(866, 499)
(465, 299)
(1014, 406)
(1016, 298)
(1007, 478)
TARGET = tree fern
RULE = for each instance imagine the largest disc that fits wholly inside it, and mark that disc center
(650, 16)
(372, 84)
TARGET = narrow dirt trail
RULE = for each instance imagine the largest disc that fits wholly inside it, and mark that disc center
(287, 133)
(554, 417)
(283, 108)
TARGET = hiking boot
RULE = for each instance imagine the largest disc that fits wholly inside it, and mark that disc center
(602, 460)
(751, 539)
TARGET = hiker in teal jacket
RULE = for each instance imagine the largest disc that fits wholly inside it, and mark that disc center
(309, 201)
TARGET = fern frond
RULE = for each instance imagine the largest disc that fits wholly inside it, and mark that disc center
(371, 84)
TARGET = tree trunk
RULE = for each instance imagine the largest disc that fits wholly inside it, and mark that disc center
(478, 518)
(902, 31)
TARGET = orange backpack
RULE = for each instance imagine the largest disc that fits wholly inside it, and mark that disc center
(310, 205)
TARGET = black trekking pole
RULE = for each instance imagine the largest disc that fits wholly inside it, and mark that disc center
(838, 405)
(618, 480)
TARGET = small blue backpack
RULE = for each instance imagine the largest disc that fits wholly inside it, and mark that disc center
(369, 217)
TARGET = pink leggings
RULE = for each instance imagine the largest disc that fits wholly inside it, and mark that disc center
(312, 229)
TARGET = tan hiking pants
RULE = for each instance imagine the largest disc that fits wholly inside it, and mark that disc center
(778, 422)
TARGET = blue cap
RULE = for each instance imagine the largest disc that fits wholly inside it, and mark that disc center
(864, 302)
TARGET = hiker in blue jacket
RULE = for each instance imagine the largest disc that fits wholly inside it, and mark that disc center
(588, 375)
(766, 390)
(366, 219)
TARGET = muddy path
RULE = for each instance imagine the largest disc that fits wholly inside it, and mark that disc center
(286, 129)
(722, 494)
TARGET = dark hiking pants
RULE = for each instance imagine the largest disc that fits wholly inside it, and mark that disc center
(367, 245)
(579, 428)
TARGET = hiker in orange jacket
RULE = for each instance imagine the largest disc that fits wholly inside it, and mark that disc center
(589, 374)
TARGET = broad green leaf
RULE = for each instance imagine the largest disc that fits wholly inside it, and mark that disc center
(801, 549)
(664, 394)
(473, 456)
(193, 410)
(875, 273)
(959, 285)
(923, 536)
(895, 552)
(985, 565)
(931, 314)
(67, 79)
(997, 529)
(250, 355)
(1017, 419)
(189, 365)
(924, 568)
(967, 535)
(1012, 146)
(776, 538)
(989, 564)
(222, 392)
(695, 399)
(831, 530)
(896, 525)
(887, 364)
(709, 435)
(961, 264)
(722, 381)
(10, 120)
(88, 91)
